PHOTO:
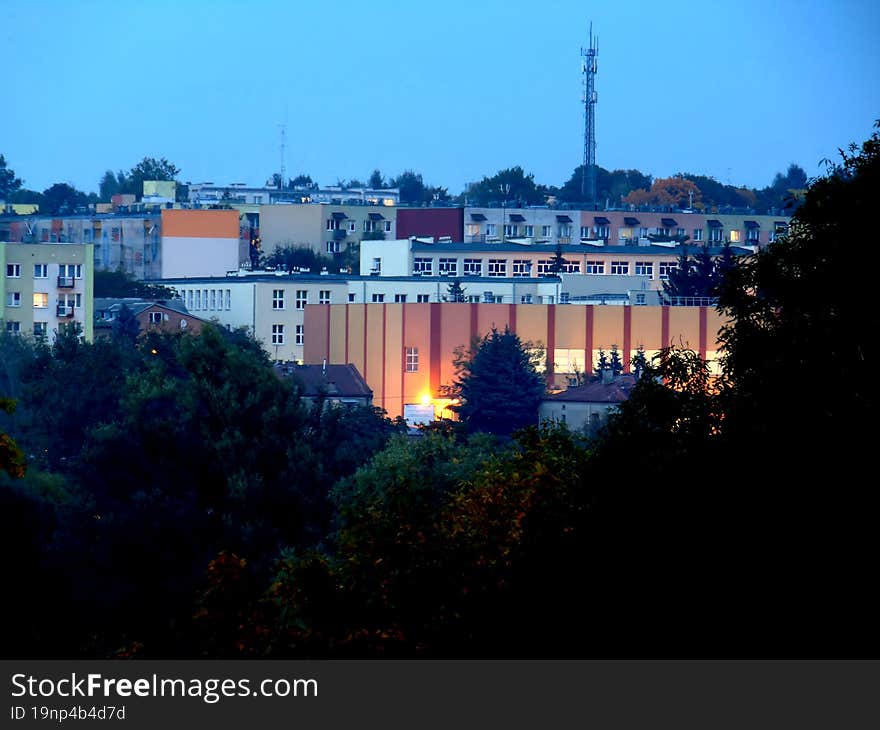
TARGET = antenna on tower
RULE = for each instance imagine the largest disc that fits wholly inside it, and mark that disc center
(588, 69)
(283, 141)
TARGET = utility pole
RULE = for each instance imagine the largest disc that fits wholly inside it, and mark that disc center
(588, 69)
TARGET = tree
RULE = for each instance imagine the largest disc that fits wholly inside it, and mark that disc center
(498, 381)
(615, 364)
(301, 181)
(119, 285)
(290, 257)
(62, 199)
(12, 459)
(9, 183)
(511, 184)
(148, 168)
(376, 180)
(612, 185)
(557, 263)
(455, 291)
(126, 326)
(673, 192)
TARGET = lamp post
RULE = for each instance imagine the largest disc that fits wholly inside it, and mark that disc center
(505, 189)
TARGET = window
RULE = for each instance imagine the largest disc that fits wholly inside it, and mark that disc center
(490, 229)
(332, 224)
(602, 231)
(213, 299)
(546, 231)
(13, 327)
(510, 230)
(571, 267)
(525, 299)
(333, 247)
(528, 231)
(412, 359)
(497, 267)
(753, 235)
(378, 298)
(698, 234)
(666, 268)
(352, 226)
(422, 298)
(369, 226)
(387, 226)
(473, 267)
(278, 299)
(522, 267)
(324, 296)
(620, 268)
(376, 267)
(299, 334)
(645, 268)
(228, 299)
(277, 334)
(41, 271)
(13, 271)
(449, 266)
(41, 300)
(585, 231)
(473, 229)
(716, 235)
(302, 298)
(680, 232)
(400, 298)
(565, 231)
(643, 232)
(13, 299)
(198, 300)
(640, 299)
(71, 271)
(350, 297)
(40, 329)
(544, 267)
(114, 234)
(734, 237)
(661, 231)
(595, 267)
(155, 317)
(423, 266)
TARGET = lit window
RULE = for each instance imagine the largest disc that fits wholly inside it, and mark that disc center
(412, 359)
(473, 229)
(41, 300)
(734, 236)
(278, 299)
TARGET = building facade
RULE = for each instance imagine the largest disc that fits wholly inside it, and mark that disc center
(45, 286)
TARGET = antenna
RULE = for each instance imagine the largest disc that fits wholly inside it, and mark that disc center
(283, 141)
(588, 69)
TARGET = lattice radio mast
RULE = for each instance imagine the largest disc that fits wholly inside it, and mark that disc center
(588, 68)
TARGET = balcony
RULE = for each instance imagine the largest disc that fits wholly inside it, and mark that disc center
(64, 311)
(66, 282)
(339, 234)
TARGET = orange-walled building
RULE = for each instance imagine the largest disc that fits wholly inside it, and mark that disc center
(405, 352)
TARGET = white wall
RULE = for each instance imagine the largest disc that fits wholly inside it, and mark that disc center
(202, 257)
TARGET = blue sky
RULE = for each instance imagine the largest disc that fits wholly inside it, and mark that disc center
(455, 90)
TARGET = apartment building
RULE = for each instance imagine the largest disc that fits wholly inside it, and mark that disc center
(325, 228)
(46, 285)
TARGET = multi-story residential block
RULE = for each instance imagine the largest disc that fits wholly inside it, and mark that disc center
(207, 194)
(45, 286)
(200, 243)
(325, 228)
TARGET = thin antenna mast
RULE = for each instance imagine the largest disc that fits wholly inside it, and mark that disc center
(283, 141)
(588, 69)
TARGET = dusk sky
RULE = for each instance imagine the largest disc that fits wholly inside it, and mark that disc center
(454, 90)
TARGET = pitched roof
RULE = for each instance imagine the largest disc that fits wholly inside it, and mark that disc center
(617, 391)
(333, 380)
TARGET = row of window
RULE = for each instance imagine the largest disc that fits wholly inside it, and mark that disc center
(370, 226)
(302, 298)
(41, 271)
(278, 334)
(41, 300)
(716, 235)
(41, 329)
(523, 267)
(207, 299)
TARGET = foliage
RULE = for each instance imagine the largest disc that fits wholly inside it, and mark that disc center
(498, 383)
(700, 275)
(376, 181)
(290, 257)
(62, 199)
(414, 191)
(455, 291)
(511, 184)
(673, 192)
(301, 180)
(612, 185)
(12, 459)
(9, 183)
(120, 285)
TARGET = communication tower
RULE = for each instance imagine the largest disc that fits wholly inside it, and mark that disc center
(588, 69)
